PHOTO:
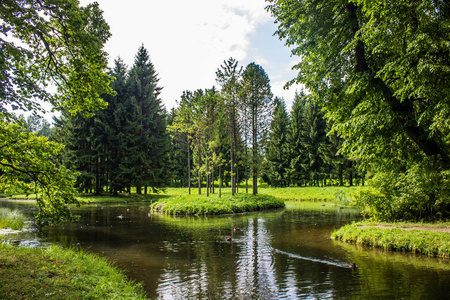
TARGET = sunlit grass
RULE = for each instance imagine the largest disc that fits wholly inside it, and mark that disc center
(13, 219)
(213, 205)
(428, 242)
(57, 273)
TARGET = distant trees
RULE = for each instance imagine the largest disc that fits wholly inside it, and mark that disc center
(299, 151)
(125, 144)
(278, 154)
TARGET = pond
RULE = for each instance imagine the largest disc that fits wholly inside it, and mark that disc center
(282, 254)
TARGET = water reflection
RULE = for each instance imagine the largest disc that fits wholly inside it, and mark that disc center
(285, 254)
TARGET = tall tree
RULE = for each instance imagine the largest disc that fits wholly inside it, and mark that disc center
(277, 153)
(229, 76)
(314, 136)
(297, 151)
(182, 128)
(258, 98)
(150, 140)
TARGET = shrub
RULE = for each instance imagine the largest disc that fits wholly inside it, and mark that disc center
(420, 193)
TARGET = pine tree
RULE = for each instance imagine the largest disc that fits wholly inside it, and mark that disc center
(150, 141)
(296, 143)
(314, 136)
(277, 152)
(229, 76)
(258, 99)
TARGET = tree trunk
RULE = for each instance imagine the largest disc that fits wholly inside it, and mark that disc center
(199, 172)
(220, 182)
(208, 183)
(232, 150)
(189, 164)
(255, 153)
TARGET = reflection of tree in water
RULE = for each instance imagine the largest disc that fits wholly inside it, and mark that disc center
(212, 268)
(255, 271)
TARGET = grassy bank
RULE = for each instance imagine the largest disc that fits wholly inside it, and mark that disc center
(326, 194)
(56, 273)
(13, 219)
(409, 237)
(202, 205)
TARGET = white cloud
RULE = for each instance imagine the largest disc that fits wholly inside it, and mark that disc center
(187, 40)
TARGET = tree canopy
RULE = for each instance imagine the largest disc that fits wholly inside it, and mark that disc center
(381, 72)
(47, 43)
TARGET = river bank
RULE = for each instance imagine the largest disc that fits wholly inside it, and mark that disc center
(57, 273)
(422, 238)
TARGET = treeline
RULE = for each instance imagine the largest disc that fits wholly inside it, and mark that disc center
(237, 134)
(299, 151)
(126, 144)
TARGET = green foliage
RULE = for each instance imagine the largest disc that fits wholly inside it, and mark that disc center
(126, 144)
(56, 273)
(277, 151)
(47, 42)
(257, 98)
(428, 242)
(30, 164)
(13, 219)
(200, 205)
(420, 193)
(61, 43)
(381, 74)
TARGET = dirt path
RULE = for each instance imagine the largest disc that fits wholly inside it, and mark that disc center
(442, 229)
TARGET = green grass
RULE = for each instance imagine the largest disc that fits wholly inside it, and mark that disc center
(202, 205)
(329, 193)
(13, 219)
(428, 242)
(57, 273)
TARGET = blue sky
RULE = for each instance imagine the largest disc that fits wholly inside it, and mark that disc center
(189, 40)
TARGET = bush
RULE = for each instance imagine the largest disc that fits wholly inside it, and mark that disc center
(420, 193)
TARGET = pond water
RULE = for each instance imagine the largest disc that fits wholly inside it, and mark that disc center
(282, 254)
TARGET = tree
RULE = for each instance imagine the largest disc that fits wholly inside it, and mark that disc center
(277, 153)
(181, 129)
(297, 151)
(56, 42)
(381, 73)
(150, 141)
(229, 76)
(29, 164)
(258, 98)
(314, 137)
(47, 42)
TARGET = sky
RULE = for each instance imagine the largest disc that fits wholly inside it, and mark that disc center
(189, 40)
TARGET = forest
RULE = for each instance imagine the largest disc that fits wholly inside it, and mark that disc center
(375, 107)
(232, 136)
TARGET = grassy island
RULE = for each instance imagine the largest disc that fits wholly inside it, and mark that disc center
(56, 273)
(227, 204)
(427, 239)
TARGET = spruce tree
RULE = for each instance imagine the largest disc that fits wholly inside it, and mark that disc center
(296, 136)
(277, 152)
(314, 136)
(150, 142)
